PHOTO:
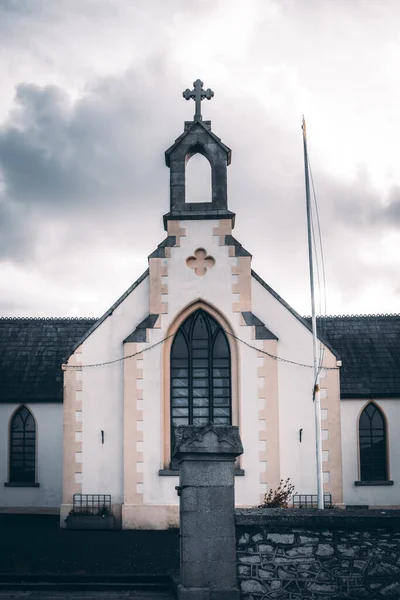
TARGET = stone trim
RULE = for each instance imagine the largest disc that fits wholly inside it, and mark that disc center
(222, 230)
(370, 483)
(175, 472)
(261, 331)
(140, 333)
(21, 484)
(238, 249)
(268, 417)
(332, 446)
(150, 516)
(174, 229)
(158, 272)
(242, 286)
(133, 432)
(72, 427)
(162, 249)
(182, 215)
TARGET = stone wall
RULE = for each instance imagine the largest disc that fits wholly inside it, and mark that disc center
(289, 554)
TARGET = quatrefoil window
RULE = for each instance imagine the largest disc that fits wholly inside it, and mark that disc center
(200, 262)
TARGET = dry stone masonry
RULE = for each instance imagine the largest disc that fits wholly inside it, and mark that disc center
(290, 555)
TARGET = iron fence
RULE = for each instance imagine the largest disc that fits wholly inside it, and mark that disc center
(92, 504)
(310, 501)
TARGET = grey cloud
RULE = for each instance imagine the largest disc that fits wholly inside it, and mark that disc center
(95, 149)
(391, 211)
(92, 174)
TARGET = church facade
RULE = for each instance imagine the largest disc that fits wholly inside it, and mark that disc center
(199, 338)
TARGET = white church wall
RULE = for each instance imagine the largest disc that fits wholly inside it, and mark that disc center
(296, 407)
(295, 383)
(102, 397)
(171, 287)
(215, 288)
(49, 431)
(373, 496)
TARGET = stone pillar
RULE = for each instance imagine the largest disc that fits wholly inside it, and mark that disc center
(206, 458)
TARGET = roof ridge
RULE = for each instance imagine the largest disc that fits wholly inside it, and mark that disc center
(356, 316)
(49, 318)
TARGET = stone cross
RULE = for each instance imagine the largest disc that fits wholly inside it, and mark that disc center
(200, 262)
(198, 94)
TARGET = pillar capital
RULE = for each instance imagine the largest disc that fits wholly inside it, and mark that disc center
(222, 443)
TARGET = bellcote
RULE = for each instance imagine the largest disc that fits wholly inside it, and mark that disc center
(198, 138)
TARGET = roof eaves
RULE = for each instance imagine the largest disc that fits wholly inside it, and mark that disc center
(294, 313)
(22, 399)
(139, 333)
(107, 313)
(368, 395)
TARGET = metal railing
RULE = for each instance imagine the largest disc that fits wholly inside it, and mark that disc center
(92, 504)
(310, 501)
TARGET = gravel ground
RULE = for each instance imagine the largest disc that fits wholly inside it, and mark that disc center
(35, 544)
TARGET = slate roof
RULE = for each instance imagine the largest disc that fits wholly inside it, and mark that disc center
(369, 347)
(33, 350)
(31, 355)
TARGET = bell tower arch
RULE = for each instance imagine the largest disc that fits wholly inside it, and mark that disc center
(198, 138)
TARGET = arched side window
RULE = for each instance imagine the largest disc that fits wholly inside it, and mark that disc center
(372, 435)
(200, 373)
(22, 447)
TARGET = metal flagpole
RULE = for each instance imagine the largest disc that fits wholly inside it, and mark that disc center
(316, 391)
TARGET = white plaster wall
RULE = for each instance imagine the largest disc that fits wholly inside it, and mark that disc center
(49, 444)
(295, 384)
(185, 287)
(102, 388)
(102, 397)
(370, 495)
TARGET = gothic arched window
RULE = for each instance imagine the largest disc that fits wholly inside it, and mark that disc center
(200, 373)
(22, 447)
(372, 434)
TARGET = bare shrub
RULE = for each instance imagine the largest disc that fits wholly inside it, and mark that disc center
(280, 497)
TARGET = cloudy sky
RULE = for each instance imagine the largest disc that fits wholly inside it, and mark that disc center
(91, 97)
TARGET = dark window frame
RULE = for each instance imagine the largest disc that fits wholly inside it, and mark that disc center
(214, 330)
(22, 448)
(372, 439)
